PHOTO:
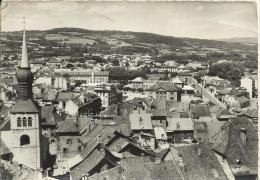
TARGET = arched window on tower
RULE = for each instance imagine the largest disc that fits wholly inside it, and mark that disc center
(19, 122)
(24, 140)
(24, 122)
(30, 121)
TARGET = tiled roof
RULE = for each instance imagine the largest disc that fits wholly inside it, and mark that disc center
(5, 125)
(140, 121)
(49, 116)
(229, 144)
(68, 126)
(242, 99)
(13, 171)
(224, 113)
(204, 166)
(95, 136)
(25, 106)
(4, 110)
(160, 103)
(180, 124)
(252, 113)
(200, 110)
(91, 162)
(64, 96)
(134, 169)
(164, 85)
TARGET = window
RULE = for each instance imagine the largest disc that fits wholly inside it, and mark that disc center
(69, 141)
(65, 150)
(24, 122)
(24, 140)
(19, 122)
(172, 98)
(30, 121)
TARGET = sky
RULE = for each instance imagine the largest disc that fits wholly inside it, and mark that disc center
(206, 20)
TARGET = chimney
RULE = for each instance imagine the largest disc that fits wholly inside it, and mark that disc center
(243, 133)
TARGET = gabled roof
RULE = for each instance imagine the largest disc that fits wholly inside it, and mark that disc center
(25, 106)
(228, 143)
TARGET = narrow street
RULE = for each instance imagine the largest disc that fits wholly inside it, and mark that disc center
(205, 93)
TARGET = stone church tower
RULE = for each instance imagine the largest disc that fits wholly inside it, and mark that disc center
(25, 118)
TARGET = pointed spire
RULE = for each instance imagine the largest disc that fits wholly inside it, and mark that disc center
(24, 61)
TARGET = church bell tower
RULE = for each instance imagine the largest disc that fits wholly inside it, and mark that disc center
(25, 118)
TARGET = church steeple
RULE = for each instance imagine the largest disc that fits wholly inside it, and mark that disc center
(24, 75)
(24, 61)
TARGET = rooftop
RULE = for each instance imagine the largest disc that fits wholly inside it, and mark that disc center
(68, 126)
(49, 115)
(229, 143)
(134, 169)
(164, 86)
(200, 162)
(140, 121)
(180, 124)
(200, 110)
(25, 106)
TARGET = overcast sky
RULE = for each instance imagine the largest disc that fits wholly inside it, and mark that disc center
(181, 19)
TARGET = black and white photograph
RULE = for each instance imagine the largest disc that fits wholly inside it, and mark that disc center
(128, 90)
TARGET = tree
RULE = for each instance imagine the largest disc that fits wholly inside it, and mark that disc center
(229, 71)
(115, 62)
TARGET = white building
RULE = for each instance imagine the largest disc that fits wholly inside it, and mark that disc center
(250, 83)
(83, 75)
(107, 93)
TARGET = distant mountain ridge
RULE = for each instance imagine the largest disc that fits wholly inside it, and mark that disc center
(241, 40)
(125, 39)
